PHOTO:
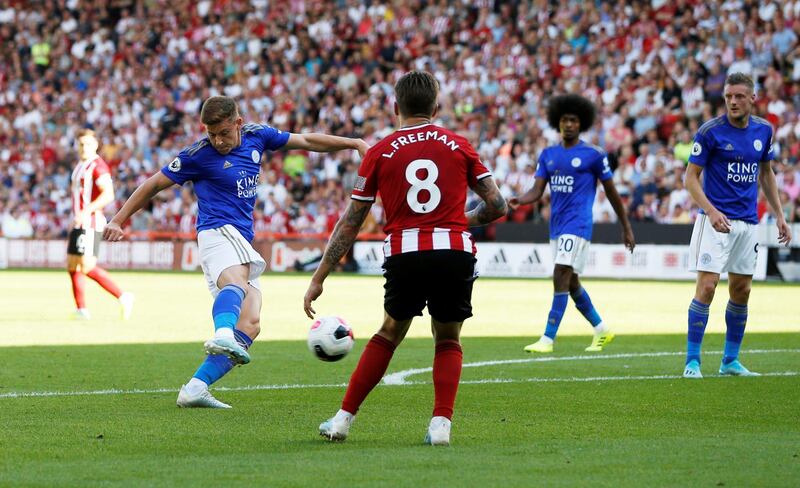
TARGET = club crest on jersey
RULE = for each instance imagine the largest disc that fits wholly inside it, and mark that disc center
(227, 165)
(576, 162)
(175, 165)
(696, 149)
(256, 156)
(757, 145)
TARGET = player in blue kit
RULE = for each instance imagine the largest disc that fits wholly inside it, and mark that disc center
(735, 151)
(572, 169)
(224, 168)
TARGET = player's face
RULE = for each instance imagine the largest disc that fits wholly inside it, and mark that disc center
(87, 146)
(226, 135)
(739, 101)
(570, 126)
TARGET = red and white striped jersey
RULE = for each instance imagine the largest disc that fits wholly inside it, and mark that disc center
(86, 180)
(422, 174)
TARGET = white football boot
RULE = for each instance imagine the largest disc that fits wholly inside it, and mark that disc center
(126, 304)
(203, 399)
(438, 432)
(337, 427)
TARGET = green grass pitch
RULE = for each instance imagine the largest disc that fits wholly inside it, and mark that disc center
(80, 414)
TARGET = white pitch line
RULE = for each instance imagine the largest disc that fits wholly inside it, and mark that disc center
(406, 373)
(399, 378)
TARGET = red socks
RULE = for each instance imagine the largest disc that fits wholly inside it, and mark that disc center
(103, 279)
(371, 367)
(78, 285)
(446, 374)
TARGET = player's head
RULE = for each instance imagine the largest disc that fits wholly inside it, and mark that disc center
(87, 144)
(739, 96)
(570, 115)
(223, 124)
(416, 93)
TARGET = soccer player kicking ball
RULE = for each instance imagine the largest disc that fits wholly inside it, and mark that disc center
(224, 168)
(735, 151)
(92, 190)
(422, 172)
(572, 169)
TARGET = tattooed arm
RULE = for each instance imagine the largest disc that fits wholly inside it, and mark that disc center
(491, 208)
(342, 238)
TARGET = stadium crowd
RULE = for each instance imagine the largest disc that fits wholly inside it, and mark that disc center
(137, 71)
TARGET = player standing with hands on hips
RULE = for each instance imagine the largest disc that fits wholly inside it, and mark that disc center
(225, 168)
(422, 172)
(735, 151)
(572, 169)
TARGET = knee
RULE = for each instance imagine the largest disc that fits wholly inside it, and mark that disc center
(740, 294)
(250, 326)
(705, 291)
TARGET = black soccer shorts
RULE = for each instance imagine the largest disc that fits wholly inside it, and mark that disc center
(440, 279)
(84, 243)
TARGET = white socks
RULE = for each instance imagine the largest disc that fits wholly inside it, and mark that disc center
(224, 333)
(195, 386)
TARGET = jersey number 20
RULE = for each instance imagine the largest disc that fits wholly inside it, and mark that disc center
(417, 185)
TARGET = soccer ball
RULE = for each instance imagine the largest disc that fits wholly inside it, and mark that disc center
(330, 338)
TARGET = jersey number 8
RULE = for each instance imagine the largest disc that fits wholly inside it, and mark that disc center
(417, 185)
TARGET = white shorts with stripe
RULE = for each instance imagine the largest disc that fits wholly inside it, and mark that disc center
(716, 252)
(224, 247)
(570, 250)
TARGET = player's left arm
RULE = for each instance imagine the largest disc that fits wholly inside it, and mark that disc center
(341, 240)
(491, 208)
(316, 142)
(105, 197)
(767, 178)
(622, 214)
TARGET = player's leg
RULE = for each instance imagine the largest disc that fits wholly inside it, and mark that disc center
(101, 276)
(78, 287)
(562, 274)
(368, 373)
(75, 250)
(232, 286)
(602, 334)
(404, 299)
(739, 286)
(195, 393)
(698, 319)
(450, 304)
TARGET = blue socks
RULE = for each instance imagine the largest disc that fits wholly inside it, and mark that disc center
(735, 320)
(584, 305)
(216, 365)
(227, 307)
(560, 300)
(698, 319)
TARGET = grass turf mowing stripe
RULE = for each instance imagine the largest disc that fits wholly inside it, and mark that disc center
(399, 378)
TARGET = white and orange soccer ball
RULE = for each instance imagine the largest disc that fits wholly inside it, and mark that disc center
(330, 338)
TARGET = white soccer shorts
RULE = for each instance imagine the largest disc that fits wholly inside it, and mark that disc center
(716, 252)
(570, 250)
(222, 248)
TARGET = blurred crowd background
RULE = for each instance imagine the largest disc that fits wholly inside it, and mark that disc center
(137, 71)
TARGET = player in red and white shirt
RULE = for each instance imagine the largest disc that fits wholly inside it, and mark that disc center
(422, 172)
(92, 190)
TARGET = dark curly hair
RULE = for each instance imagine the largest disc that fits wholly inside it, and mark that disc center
(571, 104)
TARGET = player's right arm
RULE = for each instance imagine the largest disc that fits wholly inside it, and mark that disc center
(531, 196)
(698, 158)
(718, 220)
(146, 191)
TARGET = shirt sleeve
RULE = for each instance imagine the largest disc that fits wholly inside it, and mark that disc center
(366, 186)
(272, 138)
(476, 170)
(769, 152)
(101, 172)
(541, 167)
(701, 148)
(182, 169)
(601, 167)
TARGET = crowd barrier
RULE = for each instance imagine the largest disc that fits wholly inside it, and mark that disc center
(169, 251)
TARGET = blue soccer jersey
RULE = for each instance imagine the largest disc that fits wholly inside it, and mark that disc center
(226, 184)
(730, 157)
(572, 174)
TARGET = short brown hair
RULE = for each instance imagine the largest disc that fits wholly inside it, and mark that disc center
(416, 93)
(86, 132)
(218, 109)
(740, 79)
